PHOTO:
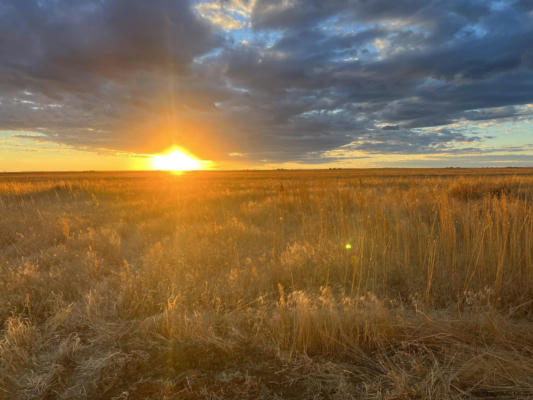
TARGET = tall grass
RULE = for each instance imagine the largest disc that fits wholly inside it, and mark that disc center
(330, 284)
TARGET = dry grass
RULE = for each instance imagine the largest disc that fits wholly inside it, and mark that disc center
(216, 285)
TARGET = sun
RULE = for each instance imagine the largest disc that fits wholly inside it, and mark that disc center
(176, 160)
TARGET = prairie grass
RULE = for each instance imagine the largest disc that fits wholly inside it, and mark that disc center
(378, 284)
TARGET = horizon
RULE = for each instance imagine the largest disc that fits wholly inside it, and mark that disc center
(201, 171)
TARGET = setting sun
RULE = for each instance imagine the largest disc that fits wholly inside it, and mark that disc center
(177, 160)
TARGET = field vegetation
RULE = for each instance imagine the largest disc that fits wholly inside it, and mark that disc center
(363, 284)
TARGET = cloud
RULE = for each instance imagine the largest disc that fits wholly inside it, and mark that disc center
(58, 42)
(276, 80)
(228, 14)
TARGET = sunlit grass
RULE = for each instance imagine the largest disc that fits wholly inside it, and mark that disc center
(317, 284)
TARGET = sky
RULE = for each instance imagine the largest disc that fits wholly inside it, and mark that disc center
(105, 84)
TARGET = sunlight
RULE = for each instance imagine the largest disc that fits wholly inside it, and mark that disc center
(176, 160)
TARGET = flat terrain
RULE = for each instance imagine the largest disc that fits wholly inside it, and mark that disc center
(339, 284)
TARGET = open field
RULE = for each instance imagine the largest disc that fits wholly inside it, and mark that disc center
(379, 284)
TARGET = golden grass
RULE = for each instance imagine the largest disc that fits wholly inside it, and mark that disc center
(241, 285)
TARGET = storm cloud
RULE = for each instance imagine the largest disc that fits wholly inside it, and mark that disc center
(269, 80)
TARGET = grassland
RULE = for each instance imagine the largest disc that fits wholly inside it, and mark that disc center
(371, 284)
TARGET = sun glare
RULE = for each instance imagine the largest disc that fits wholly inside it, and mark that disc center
(177, 160)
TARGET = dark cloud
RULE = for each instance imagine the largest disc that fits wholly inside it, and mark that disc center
(104, 62)
(286, 15)
(76, 43)
(303, 78)
(411, 142)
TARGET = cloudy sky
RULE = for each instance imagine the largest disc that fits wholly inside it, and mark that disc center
(102, 84)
